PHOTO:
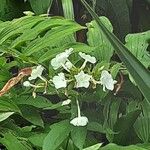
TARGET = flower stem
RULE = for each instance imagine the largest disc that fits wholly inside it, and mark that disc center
(79, 113)
(83, 66)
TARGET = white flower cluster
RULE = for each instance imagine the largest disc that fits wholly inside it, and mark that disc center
(82, 79)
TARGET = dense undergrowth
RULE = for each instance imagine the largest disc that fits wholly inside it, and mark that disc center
(67, 82)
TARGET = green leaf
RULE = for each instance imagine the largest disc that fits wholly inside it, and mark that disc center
(12, 142)
(40, 6)
(78, 135)
(96, 37)
(112, 146)
(5, 115)
(8, 105)
(138, 44)
(124, 126)
(18, 26)
(42, 26)
(94, 147)
(96, 127)
(140, 74)
(51, 38)
(37, 139)
(38, 102)
(59, 132)
(31, 114)
(141, 125)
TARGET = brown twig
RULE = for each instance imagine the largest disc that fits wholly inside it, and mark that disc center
(119, 85)
(13, 81)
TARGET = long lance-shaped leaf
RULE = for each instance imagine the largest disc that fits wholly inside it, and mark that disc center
(140, 74)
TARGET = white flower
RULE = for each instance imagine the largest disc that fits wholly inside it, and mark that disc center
(59, 81)
(69, 65)
(88, 58)
(26, 84)
(61, 59)
(66, 102)
(79, 121)
(36, 72)
(82, 80)
(107, 81)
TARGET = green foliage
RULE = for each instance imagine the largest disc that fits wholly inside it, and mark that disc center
(58, 133)
(40, 115)
(96, 37)
(136, 69)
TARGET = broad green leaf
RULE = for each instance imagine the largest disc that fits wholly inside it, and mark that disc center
(94, 147)
(18, 26)
(51, 38)
(40, 6)
(32, 33)
(96, 37)
(138, 44)
(124, 127)
(12, 142)
(96, 127)
(37, 139)
(31, 114)
(38, 102)
(5, 115)
(112, 146)
(139, 73)
(8, 105)
(78, 135)
(58, 133)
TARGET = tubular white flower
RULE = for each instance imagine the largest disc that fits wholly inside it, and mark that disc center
(80, 120)
(66, 102)
(107, 81)
(61, 59)
(26, 84)
(82, 80)
(69, 65)
(36, 72)
(59, 81)
(88, 58)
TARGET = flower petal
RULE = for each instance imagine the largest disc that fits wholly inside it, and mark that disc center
(59, 81)
(79, 121)
(88, 58)
(82, 80)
